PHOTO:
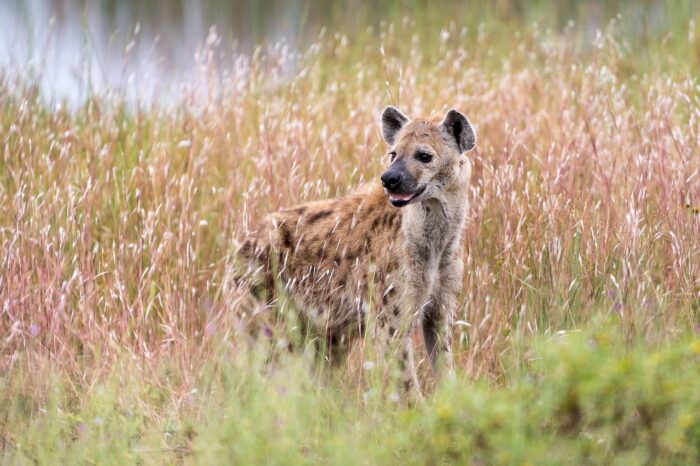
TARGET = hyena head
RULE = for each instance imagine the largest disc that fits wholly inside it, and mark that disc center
(425, 155)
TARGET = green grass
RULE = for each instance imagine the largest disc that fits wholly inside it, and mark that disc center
(583, 398)
(122, 339)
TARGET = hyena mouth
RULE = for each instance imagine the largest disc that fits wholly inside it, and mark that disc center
(400, 200)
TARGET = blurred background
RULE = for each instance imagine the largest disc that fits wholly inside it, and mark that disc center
(147, 50)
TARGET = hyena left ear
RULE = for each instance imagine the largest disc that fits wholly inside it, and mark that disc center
(458, 126)
(392, 122)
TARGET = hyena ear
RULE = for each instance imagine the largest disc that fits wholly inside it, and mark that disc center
(458, 127)
(392, 122)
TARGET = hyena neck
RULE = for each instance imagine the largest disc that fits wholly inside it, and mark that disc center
(436, 223)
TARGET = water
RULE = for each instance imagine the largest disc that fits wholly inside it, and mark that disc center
(144, 50)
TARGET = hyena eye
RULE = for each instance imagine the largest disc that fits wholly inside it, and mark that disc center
(393, 155)
(424, 157)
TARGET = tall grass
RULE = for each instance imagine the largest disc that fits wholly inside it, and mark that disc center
(122, 337)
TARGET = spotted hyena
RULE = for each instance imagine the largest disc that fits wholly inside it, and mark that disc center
(392, 249)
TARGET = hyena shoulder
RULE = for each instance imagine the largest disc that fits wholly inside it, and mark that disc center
(334, 231)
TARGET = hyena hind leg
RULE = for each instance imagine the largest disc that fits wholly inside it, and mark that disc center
(331, 348)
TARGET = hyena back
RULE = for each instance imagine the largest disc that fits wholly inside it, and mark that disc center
(394, 247)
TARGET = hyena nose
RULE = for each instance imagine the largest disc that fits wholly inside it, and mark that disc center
(391, 179)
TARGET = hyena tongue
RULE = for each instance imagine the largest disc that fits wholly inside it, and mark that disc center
(400, 197)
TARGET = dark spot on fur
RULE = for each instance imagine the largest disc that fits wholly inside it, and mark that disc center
(351, 255)
(375, 223)
(391, 266)
(392, 331)
(318, 216)
(395, 311)
(247, 249)
(386, 221)
(286, 236)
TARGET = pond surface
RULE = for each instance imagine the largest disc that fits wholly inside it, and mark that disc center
(146, 49)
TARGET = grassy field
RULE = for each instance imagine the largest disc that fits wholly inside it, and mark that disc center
(122, 339)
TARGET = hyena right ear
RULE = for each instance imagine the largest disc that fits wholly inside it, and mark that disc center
(392, 122)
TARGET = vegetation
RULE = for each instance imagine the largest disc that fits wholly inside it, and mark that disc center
(124, 341)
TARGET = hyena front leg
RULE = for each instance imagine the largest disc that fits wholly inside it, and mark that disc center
(395, 340)
(437, 333)
(438, 316)
(409, 377)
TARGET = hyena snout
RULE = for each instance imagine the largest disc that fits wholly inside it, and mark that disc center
(391, 180)
(400, 184)
(398, 179)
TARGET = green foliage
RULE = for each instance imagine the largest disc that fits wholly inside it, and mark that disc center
(585, 398)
